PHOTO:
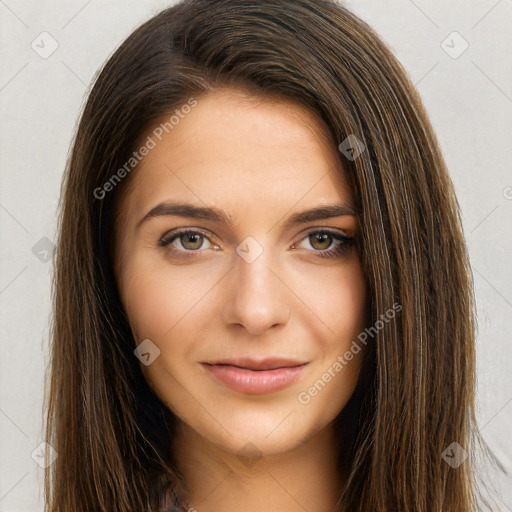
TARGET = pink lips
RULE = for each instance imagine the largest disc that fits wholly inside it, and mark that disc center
(256, 377)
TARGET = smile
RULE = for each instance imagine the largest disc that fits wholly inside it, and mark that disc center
(256, 381)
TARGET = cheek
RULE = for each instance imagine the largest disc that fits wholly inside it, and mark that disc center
(150, 299)
(160, 300)
(338, 300)
(334, 376)
(352, 301)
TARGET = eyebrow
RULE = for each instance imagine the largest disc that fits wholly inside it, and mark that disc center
(217, 215)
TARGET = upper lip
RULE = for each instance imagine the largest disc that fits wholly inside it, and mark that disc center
(269, 363)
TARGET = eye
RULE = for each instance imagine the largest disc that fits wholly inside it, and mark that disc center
(186, 240)
(322, 239)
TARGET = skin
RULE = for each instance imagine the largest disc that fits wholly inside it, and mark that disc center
(259, 160)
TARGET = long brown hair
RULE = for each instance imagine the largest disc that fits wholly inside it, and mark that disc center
(111, 432)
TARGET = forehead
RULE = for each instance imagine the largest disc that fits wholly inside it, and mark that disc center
(234, 145)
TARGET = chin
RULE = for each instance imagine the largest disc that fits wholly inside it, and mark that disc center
(257, 433)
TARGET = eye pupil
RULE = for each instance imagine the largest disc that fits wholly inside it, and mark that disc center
(190, 238)
(321, 238)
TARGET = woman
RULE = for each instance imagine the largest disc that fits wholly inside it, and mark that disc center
(263, 299)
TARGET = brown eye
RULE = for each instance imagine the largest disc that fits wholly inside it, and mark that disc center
(191, 241)
(326, 243)
(320, 241)
(185, 241)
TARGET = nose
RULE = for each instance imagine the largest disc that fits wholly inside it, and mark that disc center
(258, 298)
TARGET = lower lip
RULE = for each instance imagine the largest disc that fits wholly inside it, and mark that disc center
(255, 382)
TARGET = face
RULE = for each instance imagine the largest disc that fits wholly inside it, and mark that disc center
(246, 300)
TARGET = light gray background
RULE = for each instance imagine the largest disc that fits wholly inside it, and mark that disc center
(469, 100)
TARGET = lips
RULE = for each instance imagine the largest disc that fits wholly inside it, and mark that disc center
(258, 364)
(256, 376)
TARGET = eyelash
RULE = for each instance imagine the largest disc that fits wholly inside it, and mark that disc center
(336, 252)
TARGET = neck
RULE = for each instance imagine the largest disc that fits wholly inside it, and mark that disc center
(305, 478)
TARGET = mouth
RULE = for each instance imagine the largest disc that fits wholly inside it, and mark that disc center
(252, 376)
(255, 364)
